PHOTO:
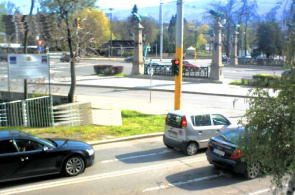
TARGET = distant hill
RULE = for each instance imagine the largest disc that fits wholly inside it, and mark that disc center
(193, 10)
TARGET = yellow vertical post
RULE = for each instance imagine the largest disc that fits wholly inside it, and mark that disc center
(179, 54)
(196, 53)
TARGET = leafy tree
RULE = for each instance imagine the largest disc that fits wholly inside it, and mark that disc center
(270, 137)
(195, 36)
(64, 9)
(269, 38)
(95, 29)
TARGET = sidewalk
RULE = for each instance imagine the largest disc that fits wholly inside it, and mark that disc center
(106, 110)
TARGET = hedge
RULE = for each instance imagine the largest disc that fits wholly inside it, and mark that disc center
(108, 69)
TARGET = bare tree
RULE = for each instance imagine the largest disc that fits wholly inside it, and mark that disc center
(64, 9)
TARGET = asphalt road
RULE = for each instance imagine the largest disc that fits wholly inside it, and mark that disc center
(143, 166)
(85, 67)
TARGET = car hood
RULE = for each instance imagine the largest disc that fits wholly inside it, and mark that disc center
(70, 143)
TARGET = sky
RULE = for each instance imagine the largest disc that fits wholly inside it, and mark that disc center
(103, 4)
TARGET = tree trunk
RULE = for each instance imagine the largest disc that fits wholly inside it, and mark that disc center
(71, 94)
(26, 96)
(291, 184)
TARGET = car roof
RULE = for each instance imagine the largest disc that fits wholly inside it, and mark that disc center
(13, 134)
(193, 112)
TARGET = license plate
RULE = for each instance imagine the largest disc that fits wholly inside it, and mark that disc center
(172, 134)
(221, 153)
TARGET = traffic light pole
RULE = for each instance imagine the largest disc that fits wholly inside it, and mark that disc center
(179, 54)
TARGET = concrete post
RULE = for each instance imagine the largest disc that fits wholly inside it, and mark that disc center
(234, 49)
(216, 72)
(138, 64)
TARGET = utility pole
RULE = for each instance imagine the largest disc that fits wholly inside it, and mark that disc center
(161, 30)
(179, 54)
(111, 39)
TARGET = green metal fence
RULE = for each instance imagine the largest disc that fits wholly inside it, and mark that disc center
(34, 112)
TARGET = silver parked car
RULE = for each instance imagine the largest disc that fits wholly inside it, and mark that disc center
(192, 130)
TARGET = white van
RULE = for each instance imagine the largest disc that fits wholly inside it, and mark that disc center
(192, 130)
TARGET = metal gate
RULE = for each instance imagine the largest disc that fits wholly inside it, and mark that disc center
(34, 112)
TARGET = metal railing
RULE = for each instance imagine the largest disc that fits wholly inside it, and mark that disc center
(267, 62)
(34, 112)
(198, 72)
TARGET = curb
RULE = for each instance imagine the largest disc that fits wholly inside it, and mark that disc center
(93, 143)
(163, 90)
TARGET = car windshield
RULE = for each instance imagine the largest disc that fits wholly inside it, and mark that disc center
(49, 142)
(232, 136)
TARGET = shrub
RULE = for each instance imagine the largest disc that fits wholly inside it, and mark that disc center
(108, 69)
(265, 80)
(128, 53)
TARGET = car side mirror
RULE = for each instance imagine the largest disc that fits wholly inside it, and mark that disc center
(45, 149)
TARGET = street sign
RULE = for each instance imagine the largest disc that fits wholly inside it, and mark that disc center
(39, 42)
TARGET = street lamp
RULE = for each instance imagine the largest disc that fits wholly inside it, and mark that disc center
(111, 39)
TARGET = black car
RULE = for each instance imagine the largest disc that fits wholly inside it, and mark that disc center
(225, 59)
(223, 152)
(65, 58)
(23, 155)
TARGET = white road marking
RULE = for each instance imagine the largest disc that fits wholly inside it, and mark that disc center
(181, 183)
(138, 156)
(261, 191)
(69, 181)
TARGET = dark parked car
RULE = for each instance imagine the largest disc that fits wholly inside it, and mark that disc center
(225, 59)
(3, 56)
(129, 59)
(67, 58)
(23, 155)
(223, 152)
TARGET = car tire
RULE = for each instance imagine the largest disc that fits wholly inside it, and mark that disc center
(191, 148)
(252, 171)
(61, 60)
(73, 166)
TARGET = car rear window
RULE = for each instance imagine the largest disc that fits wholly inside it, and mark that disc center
(232, 136)
(174, 120)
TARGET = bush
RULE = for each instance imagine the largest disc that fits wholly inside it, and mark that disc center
(128, 53)
(108, 69)
(265, 80)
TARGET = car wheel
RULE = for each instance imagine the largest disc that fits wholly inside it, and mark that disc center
(191, 148)
(252, 171)
(74, 166)
(128, 61)
(61, 60)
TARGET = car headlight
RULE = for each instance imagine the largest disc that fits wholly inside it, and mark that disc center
(90, 151)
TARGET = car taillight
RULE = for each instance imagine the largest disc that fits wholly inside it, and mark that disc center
(209, 147)
(236, 154)
(166, 119)
(183, 122)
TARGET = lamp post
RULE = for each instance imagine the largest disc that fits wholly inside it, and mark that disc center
(196, 41)
(161, 30)
(111, 38)
(233, 56)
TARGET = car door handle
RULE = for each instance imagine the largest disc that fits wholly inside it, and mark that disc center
(23, 159)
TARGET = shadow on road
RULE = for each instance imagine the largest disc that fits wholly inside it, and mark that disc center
(204, 178)
(154, 155)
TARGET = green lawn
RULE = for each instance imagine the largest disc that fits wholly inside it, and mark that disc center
(134, 123)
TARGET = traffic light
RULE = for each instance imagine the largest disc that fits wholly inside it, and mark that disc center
(78, 23)
(175, 67)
